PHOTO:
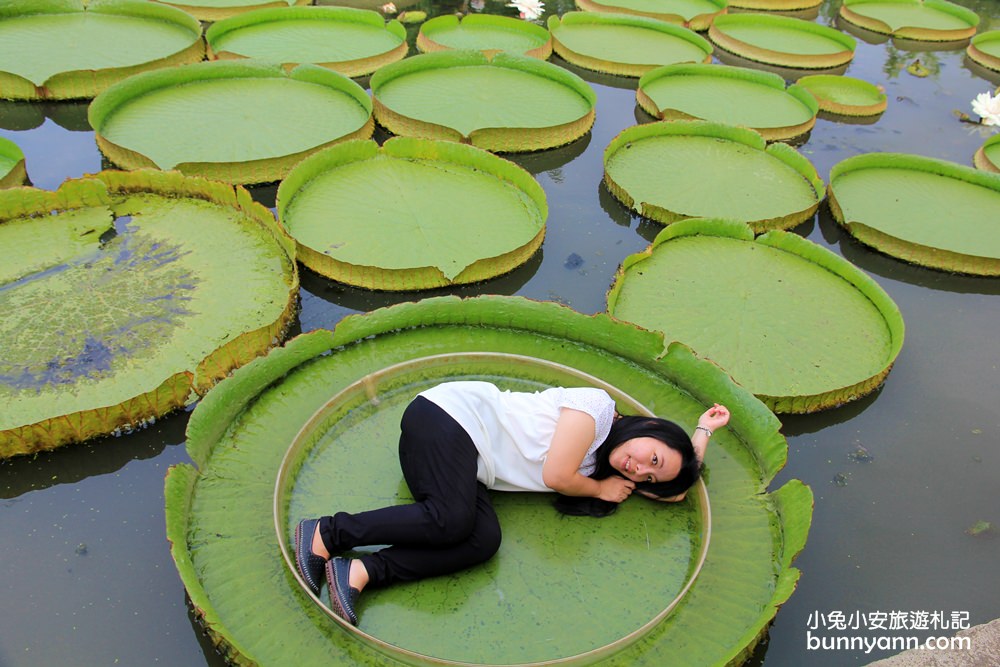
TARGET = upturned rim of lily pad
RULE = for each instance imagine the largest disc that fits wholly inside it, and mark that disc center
(775, 5)
(806, 251)
(262, 170)
(429, 37)
(87, 83)
(841, 54)
(475, 162)
(987, 157)
(845, 95)
(905, 249)
(12, 166)
(667, 377)
(726, 72)
(210, 11)
(599, 64)
(699, 22)
(853, 12)
(978, 54)
(273, 17)
(362, 390)
(500, 139)
(177, 387)
(781, 152)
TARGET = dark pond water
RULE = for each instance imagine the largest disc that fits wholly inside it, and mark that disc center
(85, 572)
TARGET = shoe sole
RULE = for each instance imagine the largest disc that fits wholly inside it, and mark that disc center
(335, 594)
(298, 558)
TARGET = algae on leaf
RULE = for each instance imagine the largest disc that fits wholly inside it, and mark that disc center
(118, 304)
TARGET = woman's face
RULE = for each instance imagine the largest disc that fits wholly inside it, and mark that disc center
(646, 459)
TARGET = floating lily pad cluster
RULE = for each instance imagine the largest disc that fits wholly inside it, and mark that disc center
(331, 393)
(118, 302)
(66, 49)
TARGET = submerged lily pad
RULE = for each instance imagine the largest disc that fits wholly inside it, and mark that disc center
(12, 171)
(920, 20)
(485, 32)
(797, 325)
(694, 14)
(984, 49)
(624, 45)
(66, 49)
(118, 302)
(782, 40)
(669, 171)
(844, 95)
(987, 157)
(354, 42)
(504, 103)
(414, 214)
(232, 562)
(360, 423)
(216, 10)
(707, 92)
(925, 211)
(237, 121)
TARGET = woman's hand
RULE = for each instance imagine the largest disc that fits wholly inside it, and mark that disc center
(715, 417)
(615, 489)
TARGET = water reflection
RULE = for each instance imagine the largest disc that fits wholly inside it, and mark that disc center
(600, 78)
(551, 159)
(792, 425)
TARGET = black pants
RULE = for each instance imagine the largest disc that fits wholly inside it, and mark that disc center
(450, 526)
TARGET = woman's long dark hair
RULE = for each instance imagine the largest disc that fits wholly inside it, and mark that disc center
(626, 428)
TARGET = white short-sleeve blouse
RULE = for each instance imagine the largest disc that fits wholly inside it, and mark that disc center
(513, 430)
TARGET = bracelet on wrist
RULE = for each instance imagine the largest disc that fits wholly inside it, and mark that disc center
(707, 430)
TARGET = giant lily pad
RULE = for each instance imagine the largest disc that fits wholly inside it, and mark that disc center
(216, 10)
(414, 214)
(694, 14)
(65, 49)
(354, 42)
(797, 325)
(782, 40)
(504, 103)
(987, 157)
(925, 211)
(731, 95)
(984, 49)
(360, 423)
(232, 565)
(624, 45)
(484, 32)
(118, 302)
(237, 121)
(689, 169)
(12, 171)
(844, 95)
(921, 20)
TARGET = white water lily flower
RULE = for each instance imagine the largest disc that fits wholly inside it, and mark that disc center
(988, 108)
(388, 8)
(529, 9)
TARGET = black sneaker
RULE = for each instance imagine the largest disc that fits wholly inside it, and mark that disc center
(342, 596)
(309, 564)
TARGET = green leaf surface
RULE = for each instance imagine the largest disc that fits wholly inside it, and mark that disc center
(921, 202)
(731, 95)
(605, 41)
(931, 14)
(39, 40)
(306, 35)
(769, 298)
(689, 169)
(985, 49)
(483, 32)
(228, 112)
(231, 562)
(105, 303)
(842, 94)
(783, 34)
(11, 164)
(409, 205)
(686, 9)
(465, 91)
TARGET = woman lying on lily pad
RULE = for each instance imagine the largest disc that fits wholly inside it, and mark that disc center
(460, 439)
